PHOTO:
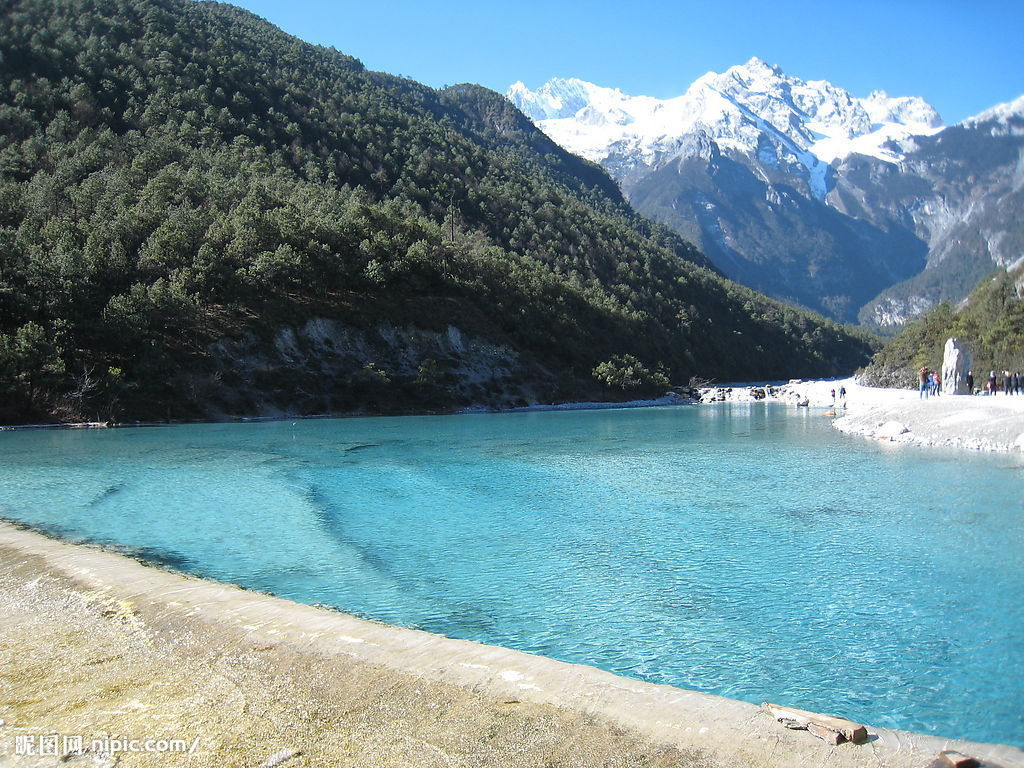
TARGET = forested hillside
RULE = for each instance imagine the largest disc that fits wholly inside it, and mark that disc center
(990, 323)
(189, 197)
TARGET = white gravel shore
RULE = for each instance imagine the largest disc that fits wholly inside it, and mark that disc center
(975, 422)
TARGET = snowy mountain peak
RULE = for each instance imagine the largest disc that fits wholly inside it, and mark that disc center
(1002, 115)
(910, 111)
(561, 98)
(753, 109)
(753, 71)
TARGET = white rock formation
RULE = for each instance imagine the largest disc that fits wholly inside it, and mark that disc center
(955, 364)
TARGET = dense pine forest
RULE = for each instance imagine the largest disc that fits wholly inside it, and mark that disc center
(990, 323)
(181, 178)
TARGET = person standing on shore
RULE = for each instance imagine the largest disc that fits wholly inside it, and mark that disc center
(991, 387)
(970, 382)
(1016, 383)
(1006, 382)
(925, 383)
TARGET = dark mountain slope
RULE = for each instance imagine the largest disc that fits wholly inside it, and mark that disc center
(200, 214)
(888, 241)
(971, 217)
(766, 232)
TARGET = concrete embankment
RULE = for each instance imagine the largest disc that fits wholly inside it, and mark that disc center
(96, 644)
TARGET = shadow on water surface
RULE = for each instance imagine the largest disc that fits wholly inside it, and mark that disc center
(106, 493)
(443, 615)
(162, 558)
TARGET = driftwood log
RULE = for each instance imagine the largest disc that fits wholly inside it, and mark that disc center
(834, 730)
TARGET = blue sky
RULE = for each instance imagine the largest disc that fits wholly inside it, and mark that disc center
(962, 56)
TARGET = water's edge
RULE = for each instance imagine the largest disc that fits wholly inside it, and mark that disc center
(500, 528)
(729, 732)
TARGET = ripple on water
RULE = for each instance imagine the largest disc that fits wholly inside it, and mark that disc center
(743, 550)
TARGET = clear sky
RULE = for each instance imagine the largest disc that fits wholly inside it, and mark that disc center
(962, 56)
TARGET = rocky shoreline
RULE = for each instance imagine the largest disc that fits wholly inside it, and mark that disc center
(968, 422)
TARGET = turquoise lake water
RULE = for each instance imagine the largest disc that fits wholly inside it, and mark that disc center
(747, 550)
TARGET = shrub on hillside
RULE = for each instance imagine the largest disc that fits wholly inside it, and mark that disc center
(626, 373)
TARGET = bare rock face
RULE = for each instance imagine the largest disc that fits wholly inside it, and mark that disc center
(955, 364)
(327, 366)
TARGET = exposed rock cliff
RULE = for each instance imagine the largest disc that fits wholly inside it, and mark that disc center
(325, 366)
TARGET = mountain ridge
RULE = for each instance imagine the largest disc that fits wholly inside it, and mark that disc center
(203, 216)
(796, 109)
(800, 189)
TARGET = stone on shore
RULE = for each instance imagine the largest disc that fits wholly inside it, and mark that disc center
(828, 728)
(956, 362)
(950, 758)
(970, 423)
(890, 430)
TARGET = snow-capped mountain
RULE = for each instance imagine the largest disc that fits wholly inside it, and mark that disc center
(796, 188)
(1008, 117)
(753, 109)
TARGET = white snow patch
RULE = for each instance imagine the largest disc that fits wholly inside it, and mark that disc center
(1000, 113)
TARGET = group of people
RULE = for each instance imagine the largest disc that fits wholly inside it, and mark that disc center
(1013, 383)
(931, 383)
(842, 396)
